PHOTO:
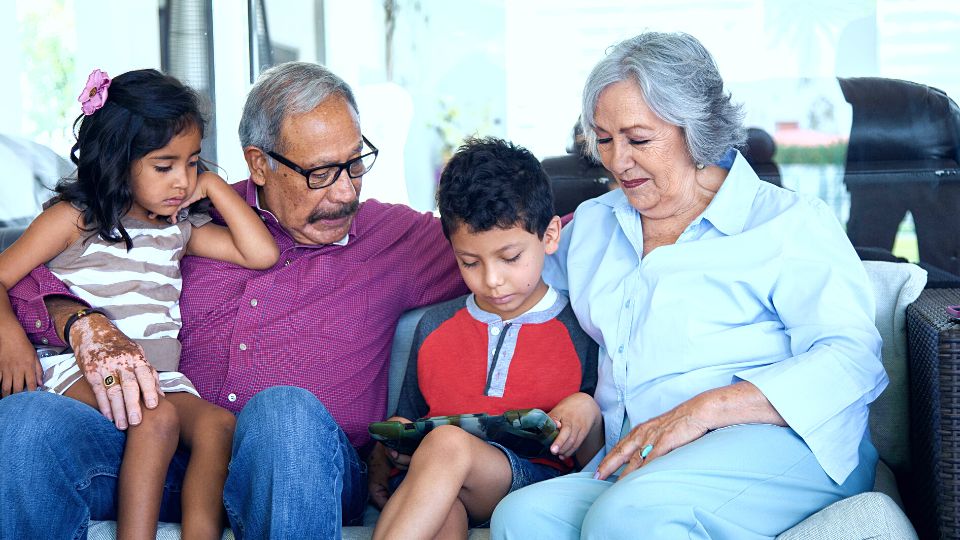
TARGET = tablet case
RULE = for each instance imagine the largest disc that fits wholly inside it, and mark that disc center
(527, 432)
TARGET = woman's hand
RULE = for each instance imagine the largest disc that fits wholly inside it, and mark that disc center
(738, 403)
(102, 350)
(19, 367)
(670, 430)
(576, 416)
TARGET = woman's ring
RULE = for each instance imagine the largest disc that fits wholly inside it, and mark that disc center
(645, 451)
(110, 380)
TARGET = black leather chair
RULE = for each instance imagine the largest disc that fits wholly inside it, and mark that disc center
(904, 155)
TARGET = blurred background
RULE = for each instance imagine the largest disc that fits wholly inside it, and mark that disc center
(430, 72)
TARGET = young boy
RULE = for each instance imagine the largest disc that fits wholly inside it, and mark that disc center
(514, 343)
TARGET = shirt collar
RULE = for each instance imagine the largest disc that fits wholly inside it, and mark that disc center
(547, 308)
(730, 207)
(252, 196)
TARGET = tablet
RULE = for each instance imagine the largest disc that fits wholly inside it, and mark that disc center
(528, 432)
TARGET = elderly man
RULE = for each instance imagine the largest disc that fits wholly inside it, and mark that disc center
(298, 351)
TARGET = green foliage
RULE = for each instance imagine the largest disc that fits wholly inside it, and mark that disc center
(48, 68)
(832, 154)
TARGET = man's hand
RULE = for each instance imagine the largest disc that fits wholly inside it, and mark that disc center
(19, 367)
(577, 415)
(103, 350)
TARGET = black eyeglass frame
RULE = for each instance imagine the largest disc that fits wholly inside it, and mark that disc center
(345, 166)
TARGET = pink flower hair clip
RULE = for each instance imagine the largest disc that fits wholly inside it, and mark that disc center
(95, 92)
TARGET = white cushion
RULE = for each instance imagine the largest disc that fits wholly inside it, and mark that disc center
(868, 515)
(895, 286)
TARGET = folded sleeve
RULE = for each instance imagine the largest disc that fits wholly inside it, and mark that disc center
(823, 298)
(27, 298)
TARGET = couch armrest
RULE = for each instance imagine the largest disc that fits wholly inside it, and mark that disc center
(931, 492)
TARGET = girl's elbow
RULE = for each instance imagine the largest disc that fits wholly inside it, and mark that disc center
(265, 259)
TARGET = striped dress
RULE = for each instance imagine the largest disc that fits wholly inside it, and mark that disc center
(138, 289)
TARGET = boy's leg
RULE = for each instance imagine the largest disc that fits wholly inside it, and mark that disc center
(293, 472)
(450, 465)
(207, 430)
(146, 457)
(75, 480)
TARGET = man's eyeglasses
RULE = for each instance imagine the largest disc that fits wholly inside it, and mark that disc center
(326, 175)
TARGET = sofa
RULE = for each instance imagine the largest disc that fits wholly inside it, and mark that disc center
(909, 423)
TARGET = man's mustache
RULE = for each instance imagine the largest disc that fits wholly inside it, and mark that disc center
(345, 210)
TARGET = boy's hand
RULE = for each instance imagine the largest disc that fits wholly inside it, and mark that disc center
(397, 460)
(576, 415)
(378, 475)
(19, 367)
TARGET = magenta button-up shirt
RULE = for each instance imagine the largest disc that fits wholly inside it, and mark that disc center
(322, 318)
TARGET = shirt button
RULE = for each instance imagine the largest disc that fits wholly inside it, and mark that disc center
(38, 324)
(286, 262)
(243, 347)
(253, 302)
(493, 352)
(620, 349)
(628, 304)
(231, 397)
(494, 330)
(44, 341)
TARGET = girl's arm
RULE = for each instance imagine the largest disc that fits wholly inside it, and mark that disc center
(244, 241)
(49, 234)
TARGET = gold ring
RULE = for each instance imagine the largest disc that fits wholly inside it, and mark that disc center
(110, 380)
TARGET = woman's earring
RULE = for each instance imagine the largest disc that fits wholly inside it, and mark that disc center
(700, 166)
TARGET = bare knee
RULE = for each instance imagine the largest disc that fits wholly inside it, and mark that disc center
(160, 423)
(215, 424)
(446, 445)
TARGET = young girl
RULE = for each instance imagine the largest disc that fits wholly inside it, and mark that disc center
(115, 235)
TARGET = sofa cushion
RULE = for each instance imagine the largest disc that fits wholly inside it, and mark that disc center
(868, 515)
(895, 285)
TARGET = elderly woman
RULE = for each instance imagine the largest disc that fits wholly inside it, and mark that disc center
(739, 352)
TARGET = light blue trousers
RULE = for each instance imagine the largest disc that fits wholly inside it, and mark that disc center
(745, 482)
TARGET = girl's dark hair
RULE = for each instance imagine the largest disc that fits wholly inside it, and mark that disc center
(491, 183)
(144, 110)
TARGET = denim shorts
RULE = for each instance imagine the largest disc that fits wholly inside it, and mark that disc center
(524, 472)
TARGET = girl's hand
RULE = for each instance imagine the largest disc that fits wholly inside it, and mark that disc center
(664, 433)
(102, 350)
(576, 415)
(19, 366)
(204, 182)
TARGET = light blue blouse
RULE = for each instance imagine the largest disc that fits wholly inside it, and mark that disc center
(763, 286)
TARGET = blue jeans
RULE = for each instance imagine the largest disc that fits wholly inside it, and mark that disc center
(293, 473)
(292, 470)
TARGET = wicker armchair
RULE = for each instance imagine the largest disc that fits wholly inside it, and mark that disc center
(931, 492)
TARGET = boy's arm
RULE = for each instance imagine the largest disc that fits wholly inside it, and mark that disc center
(244, 241)
(581, 427)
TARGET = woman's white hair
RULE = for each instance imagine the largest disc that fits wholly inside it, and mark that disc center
(680, 83)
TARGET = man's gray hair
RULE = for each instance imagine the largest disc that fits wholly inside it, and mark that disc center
(287, 89)
(680, 83)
